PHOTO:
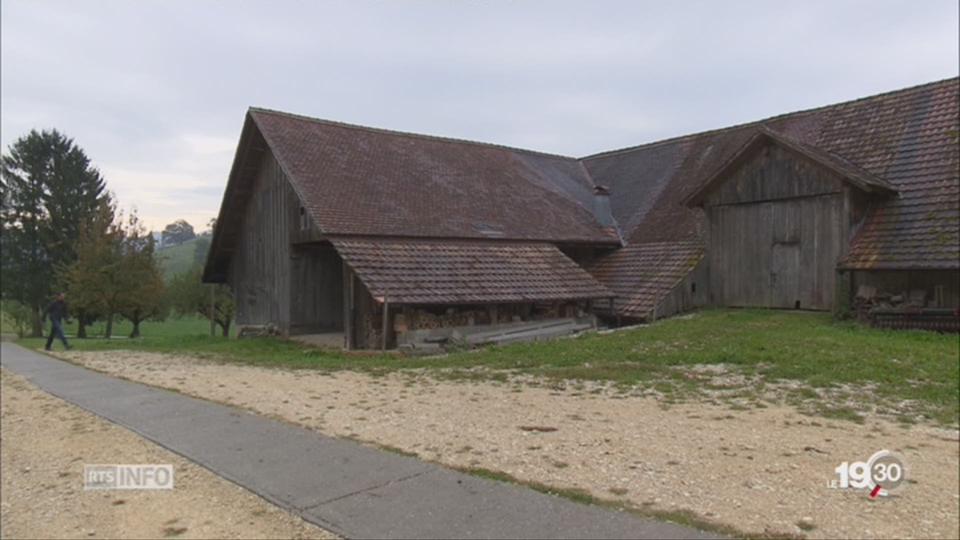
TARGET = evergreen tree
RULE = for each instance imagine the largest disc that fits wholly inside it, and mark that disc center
(49, 190)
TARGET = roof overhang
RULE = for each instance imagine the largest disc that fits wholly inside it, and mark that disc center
(247, 157)
(445, 271)
(850, 172)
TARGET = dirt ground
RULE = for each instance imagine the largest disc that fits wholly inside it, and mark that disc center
(762, 470)
(45, 443)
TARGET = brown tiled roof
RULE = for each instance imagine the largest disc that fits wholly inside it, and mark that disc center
(366, 181)
(641, 275)
(907, 138)
(422, 271)
(911, 139)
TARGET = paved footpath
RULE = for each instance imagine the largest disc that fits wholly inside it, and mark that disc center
(352, 490)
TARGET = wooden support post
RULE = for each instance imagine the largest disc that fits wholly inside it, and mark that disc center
(613, 312)
(386, 321)
(213, 326)
(347, 307)
(492, 312)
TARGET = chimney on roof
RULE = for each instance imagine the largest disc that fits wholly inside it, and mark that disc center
(601, 206)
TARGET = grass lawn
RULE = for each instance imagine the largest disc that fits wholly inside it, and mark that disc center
(151, 331)
(807, 357)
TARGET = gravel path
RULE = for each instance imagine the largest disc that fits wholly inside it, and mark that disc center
(763, 470)
(45, 443)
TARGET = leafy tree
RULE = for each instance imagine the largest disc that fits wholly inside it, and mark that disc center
(19, 314)
(116, 272)
(82, 278)
(144, 290)
(177, 233)
(94, 281)
(190, 296)
(50, 190)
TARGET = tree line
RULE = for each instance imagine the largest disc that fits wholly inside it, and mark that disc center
(62, 232)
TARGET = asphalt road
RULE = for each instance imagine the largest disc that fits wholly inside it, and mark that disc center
(352, 490)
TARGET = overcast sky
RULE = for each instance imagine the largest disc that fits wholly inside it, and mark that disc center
(155, 92)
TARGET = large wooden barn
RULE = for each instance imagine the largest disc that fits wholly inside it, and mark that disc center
(375, 237)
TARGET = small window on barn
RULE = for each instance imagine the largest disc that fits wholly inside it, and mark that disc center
(693, 286)
(304, 219)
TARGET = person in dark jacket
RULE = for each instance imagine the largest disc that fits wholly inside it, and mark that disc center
(57, 311)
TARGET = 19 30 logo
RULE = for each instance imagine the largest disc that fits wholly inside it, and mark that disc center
(883, 474)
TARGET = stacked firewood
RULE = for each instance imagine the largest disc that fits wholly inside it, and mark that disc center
(420, 319)
(260, 330)
(869, 299)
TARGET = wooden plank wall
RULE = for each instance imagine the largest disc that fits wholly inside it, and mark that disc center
(778, 226)
(692, 292)
(260, 270)
(316, 289)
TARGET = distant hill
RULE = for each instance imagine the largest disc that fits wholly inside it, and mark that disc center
(178, 259)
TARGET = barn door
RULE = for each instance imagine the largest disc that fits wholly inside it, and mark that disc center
(785, 275)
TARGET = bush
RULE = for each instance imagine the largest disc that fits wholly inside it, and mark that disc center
(19, 314)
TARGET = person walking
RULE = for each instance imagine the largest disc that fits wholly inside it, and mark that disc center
(57, 311)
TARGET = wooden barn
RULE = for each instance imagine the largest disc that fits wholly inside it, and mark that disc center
(373, 238)
(849, 207)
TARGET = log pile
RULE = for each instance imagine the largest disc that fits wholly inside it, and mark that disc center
(421, 319)
(869, 300)
(409, 319)
(258, 330)
(905, 310)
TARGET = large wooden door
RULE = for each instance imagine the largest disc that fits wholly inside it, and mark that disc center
(775, 253)
(784, 287)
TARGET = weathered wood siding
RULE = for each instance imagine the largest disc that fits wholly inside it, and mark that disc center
(692, 292)
(316, 289)
(777, 227)
(260, 270)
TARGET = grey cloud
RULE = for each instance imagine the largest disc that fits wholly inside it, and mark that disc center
(132, 81)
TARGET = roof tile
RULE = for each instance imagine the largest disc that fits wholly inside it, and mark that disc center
(367, 181)
(422, 271)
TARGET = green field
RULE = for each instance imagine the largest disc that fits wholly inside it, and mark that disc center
(851, 363)
(177, 259)
(151, 331)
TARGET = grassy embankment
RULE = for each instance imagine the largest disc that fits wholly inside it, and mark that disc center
(735, 356)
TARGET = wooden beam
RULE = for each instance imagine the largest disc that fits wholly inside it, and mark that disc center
(213, 326)
(386, 320)
(347, 307)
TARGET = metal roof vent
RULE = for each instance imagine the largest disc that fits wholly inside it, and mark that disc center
(488, 230)
(601, 206)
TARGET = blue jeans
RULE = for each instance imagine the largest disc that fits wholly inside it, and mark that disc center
(56, 330)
